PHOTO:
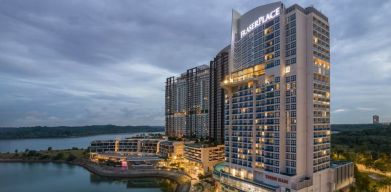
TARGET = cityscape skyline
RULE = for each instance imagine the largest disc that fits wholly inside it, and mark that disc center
(117, 83)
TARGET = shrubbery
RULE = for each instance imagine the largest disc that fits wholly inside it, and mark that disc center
(71, 157)
(59, 156)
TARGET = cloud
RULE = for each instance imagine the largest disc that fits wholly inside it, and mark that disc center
(98, 62)
(340, 110)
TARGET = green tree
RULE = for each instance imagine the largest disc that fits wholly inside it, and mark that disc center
(59, 156)
(71, 157)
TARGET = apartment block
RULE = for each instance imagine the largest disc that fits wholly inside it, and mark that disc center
(376, 119)
(218, 71)
(187, 104)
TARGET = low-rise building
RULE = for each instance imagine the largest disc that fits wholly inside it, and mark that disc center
(171, 149)
(149, 145)
(342, 174)
(140, 145)
(100, 146)
(204, 156)
(127, 159)
(130, 152)
(128, 145)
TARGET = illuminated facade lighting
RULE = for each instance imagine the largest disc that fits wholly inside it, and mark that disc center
(278, 100)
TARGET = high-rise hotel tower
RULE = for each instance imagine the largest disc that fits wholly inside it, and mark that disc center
(277, 101)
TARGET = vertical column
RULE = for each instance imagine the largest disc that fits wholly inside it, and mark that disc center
(228, 127)
(283, 125)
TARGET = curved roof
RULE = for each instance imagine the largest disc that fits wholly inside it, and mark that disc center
(250, 16)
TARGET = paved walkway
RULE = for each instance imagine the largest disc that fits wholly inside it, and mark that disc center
(182, 179)
(362, 167)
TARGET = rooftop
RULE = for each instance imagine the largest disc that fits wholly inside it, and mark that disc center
(335, 164)
(133, 156)
(201, 145)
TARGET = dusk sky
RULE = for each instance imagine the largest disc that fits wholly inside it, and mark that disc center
(105, 62)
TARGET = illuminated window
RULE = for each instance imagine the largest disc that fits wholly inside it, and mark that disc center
(287, 69)
(268, 56)
(315, 40)
(268, 30)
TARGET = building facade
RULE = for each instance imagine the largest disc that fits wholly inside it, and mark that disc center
(176, 96)
(376, 119)
(125, 146)
(277, 100)
(171, 149)
(187, 104)
(203, 156)
(218, 71)
(342, 175)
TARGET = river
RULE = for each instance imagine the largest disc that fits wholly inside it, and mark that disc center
(27, 177)
(11, 145)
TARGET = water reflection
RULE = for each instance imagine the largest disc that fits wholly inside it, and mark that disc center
(165, 185)
(27, 177)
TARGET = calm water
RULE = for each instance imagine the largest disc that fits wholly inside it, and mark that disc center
(57, 143)
(31, 177)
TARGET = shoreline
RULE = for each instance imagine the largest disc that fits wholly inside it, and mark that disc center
(182, 180)
(79, 136)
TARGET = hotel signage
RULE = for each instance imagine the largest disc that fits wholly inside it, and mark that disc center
(278, 179)
(261, 20)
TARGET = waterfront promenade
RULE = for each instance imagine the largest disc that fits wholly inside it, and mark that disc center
(183, 181)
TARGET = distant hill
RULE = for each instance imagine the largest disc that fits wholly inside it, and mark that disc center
(356, 127)
(78, 131)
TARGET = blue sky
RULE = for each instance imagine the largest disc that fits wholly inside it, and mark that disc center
(105, 62)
